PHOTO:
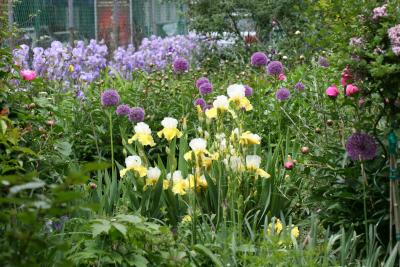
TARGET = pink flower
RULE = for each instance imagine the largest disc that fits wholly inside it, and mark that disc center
(282, 77)
(288, 163)
(343, 81)
(332, 91)
(346, 76)
(351, 90)
(28, 75)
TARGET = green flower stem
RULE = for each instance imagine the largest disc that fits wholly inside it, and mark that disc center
(365, 201)
(112, 142)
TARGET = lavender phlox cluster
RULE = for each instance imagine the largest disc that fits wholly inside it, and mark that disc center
(323, 62)
(83, 63)
(394, 36)
(356, 41)
(21, 56)
(379, 12)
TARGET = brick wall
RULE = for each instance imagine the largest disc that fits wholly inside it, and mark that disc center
(105, 21)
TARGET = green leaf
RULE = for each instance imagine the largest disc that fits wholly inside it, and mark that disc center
(101, 226)
(202, 249)
(64, 148)
(120, 227)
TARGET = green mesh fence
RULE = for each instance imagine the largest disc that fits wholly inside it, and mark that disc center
(43, 21)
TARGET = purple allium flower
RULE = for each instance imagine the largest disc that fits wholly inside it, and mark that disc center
(200, 102)
(323, 62)
(275, 68)
(208, 106)
(136, 114)
(110, 98)
(123, 110)
(248, 91)
(259, 59)
(361, 146)
(80, 95)
(205, 88)
(180, 65)
(282, 94)
(200, 81)
(299, 86)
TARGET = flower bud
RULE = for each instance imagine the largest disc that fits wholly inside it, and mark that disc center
(304, 150)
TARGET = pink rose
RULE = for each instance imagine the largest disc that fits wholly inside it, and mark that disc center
(28, 75)
(332, 91)
(282, 77)
(351, 90)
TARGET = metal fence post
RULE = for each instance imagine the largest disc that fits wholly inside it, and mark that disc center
(131, 20)
(115, 16)
(11, 23)
(96, 29)
(71, 21)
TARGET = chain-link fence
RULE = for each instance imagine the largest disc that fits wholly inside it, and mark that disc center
(117, 22)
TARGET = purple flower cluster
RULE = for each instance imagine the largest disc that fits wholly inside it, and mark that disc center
(83, 63)
(155, 53)
(204, 85)
(299, 86)
(323, 62)
(110, 98)
(60, 62)
(379, 12)
(248, 91)
(394, 36)
(180, 65)
(200, 102)
(275, 68)
(123, 110)
(282, 94)
(361, 146)
(259, 59)
(136, 114)
(200, 81)
(356, 41)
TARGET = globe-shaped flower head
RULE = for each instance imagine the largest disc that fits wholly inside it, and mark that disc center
(282, 94)
(323, 62)
(299, 86)
(110, 98)
(136, 114)
(205, 88)
(200, 102)
(361, 146)
(180, 65)
(275, 68)
(259, 59)
(248, 91)
(201, 81)
(123, 110)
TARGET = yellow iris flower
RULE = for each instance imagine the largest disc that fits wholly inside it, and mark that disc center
(140, 170)
(180, 187)
(211, 113)
(248, 138)
(169, 133)
(144, 139)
